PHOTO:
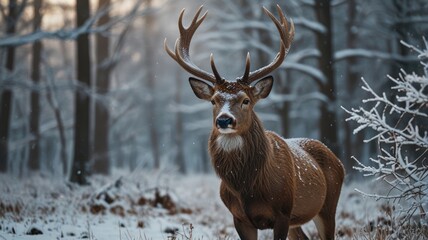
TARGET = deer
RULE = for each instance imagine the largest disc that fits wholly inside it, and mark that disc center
(267, 182)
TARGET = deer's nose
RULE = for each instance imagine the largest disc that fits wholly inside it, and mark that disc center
(224, 121)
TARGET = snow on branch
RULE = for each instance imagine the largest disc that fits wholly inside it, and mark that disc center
(400, 123)
(359, 52)
(309, 24)
(315, 73)
(298, 56)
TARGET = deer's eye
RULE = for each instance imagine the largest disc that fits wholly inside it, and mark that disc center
(212, 102)
(246, 101)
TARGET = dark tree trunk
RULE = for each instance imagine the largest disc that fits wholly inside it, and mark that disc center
(283, 108)
(34, 146)
(82, 100)
(328, 124)
(409, 31)
(101, 139)
(6, 94)
(352, 80)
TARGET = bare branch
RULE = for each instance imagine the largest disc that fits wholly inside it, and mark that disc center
(70, 34)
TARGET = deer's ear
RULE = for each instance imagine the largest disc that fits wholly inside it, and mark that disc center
(262, 88)
(201, 89)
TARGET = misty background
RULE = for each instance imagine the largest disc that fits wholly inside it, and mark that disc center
(89, 88)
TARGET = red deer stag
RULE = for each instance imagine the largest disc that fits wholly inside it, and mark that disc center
(267, 181)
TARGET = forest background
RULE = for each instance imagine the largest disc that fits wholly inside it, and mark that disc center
(86, 86)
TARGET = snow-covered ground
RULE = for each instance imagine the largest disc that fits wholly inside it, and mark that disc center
(144, 205)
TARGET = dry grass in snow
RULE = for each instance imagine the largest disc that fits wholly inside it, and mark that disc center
(160, 205)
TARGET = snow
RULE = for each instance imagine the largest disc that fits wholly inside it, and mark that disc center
(228, 96)
(62, 210)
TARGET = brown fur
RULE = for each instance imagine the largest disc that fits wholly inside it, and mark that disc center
(266, 180)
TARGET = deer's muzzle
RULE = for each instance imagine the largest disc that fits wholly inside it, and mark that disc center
(225, 121)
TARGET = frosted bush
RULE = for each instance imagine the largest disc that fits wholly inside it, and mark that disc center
(400, 124)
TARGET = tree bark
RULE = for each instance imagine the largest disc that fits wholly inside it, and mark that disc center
(328, 124)
(34, 146)
(7, 94)
(351, 146)
(82, 100)
(101, 155)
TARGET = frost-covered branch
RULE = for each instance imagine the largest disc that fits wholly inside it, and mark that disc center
(309, 24)
(401, 130)
(315, 73)
(365, 53)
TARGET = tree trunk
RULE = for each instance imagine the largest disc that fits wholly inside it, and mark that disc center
(34, 145)
(82, 100)
(283, 108)
(7, 95)
(101, 139)
(352, 80)
(328, 124)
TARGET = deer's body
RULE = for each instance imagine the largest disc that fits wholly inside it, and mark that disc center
(267, 181)
(266, 176)
(270, 185)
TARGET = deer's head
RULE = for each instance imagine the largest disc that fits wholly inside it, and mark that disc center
(233, 101)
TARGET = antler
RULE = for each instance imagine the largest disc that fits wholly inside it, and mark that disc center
(182, 45)
(286, 33)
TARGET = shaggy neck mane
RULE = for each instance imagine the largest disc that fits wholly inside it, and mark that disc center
(239, 167)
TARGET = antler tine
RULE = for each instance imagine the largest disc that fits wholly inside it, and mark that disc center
(182, 46)
(218, 78)
(247, 69)
(288, 28)
(286, 32)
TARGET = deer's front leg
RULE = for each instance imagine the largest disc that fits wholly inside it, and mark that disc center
(280, 228)
(245, 231)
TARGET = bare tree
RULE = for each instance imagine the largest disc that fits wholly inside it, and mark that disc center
(34, 146)
(14, 11)
(101, 156)
(150, 79)
(328, 124)
(82, 99)
(179, 129)
(352, 76)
